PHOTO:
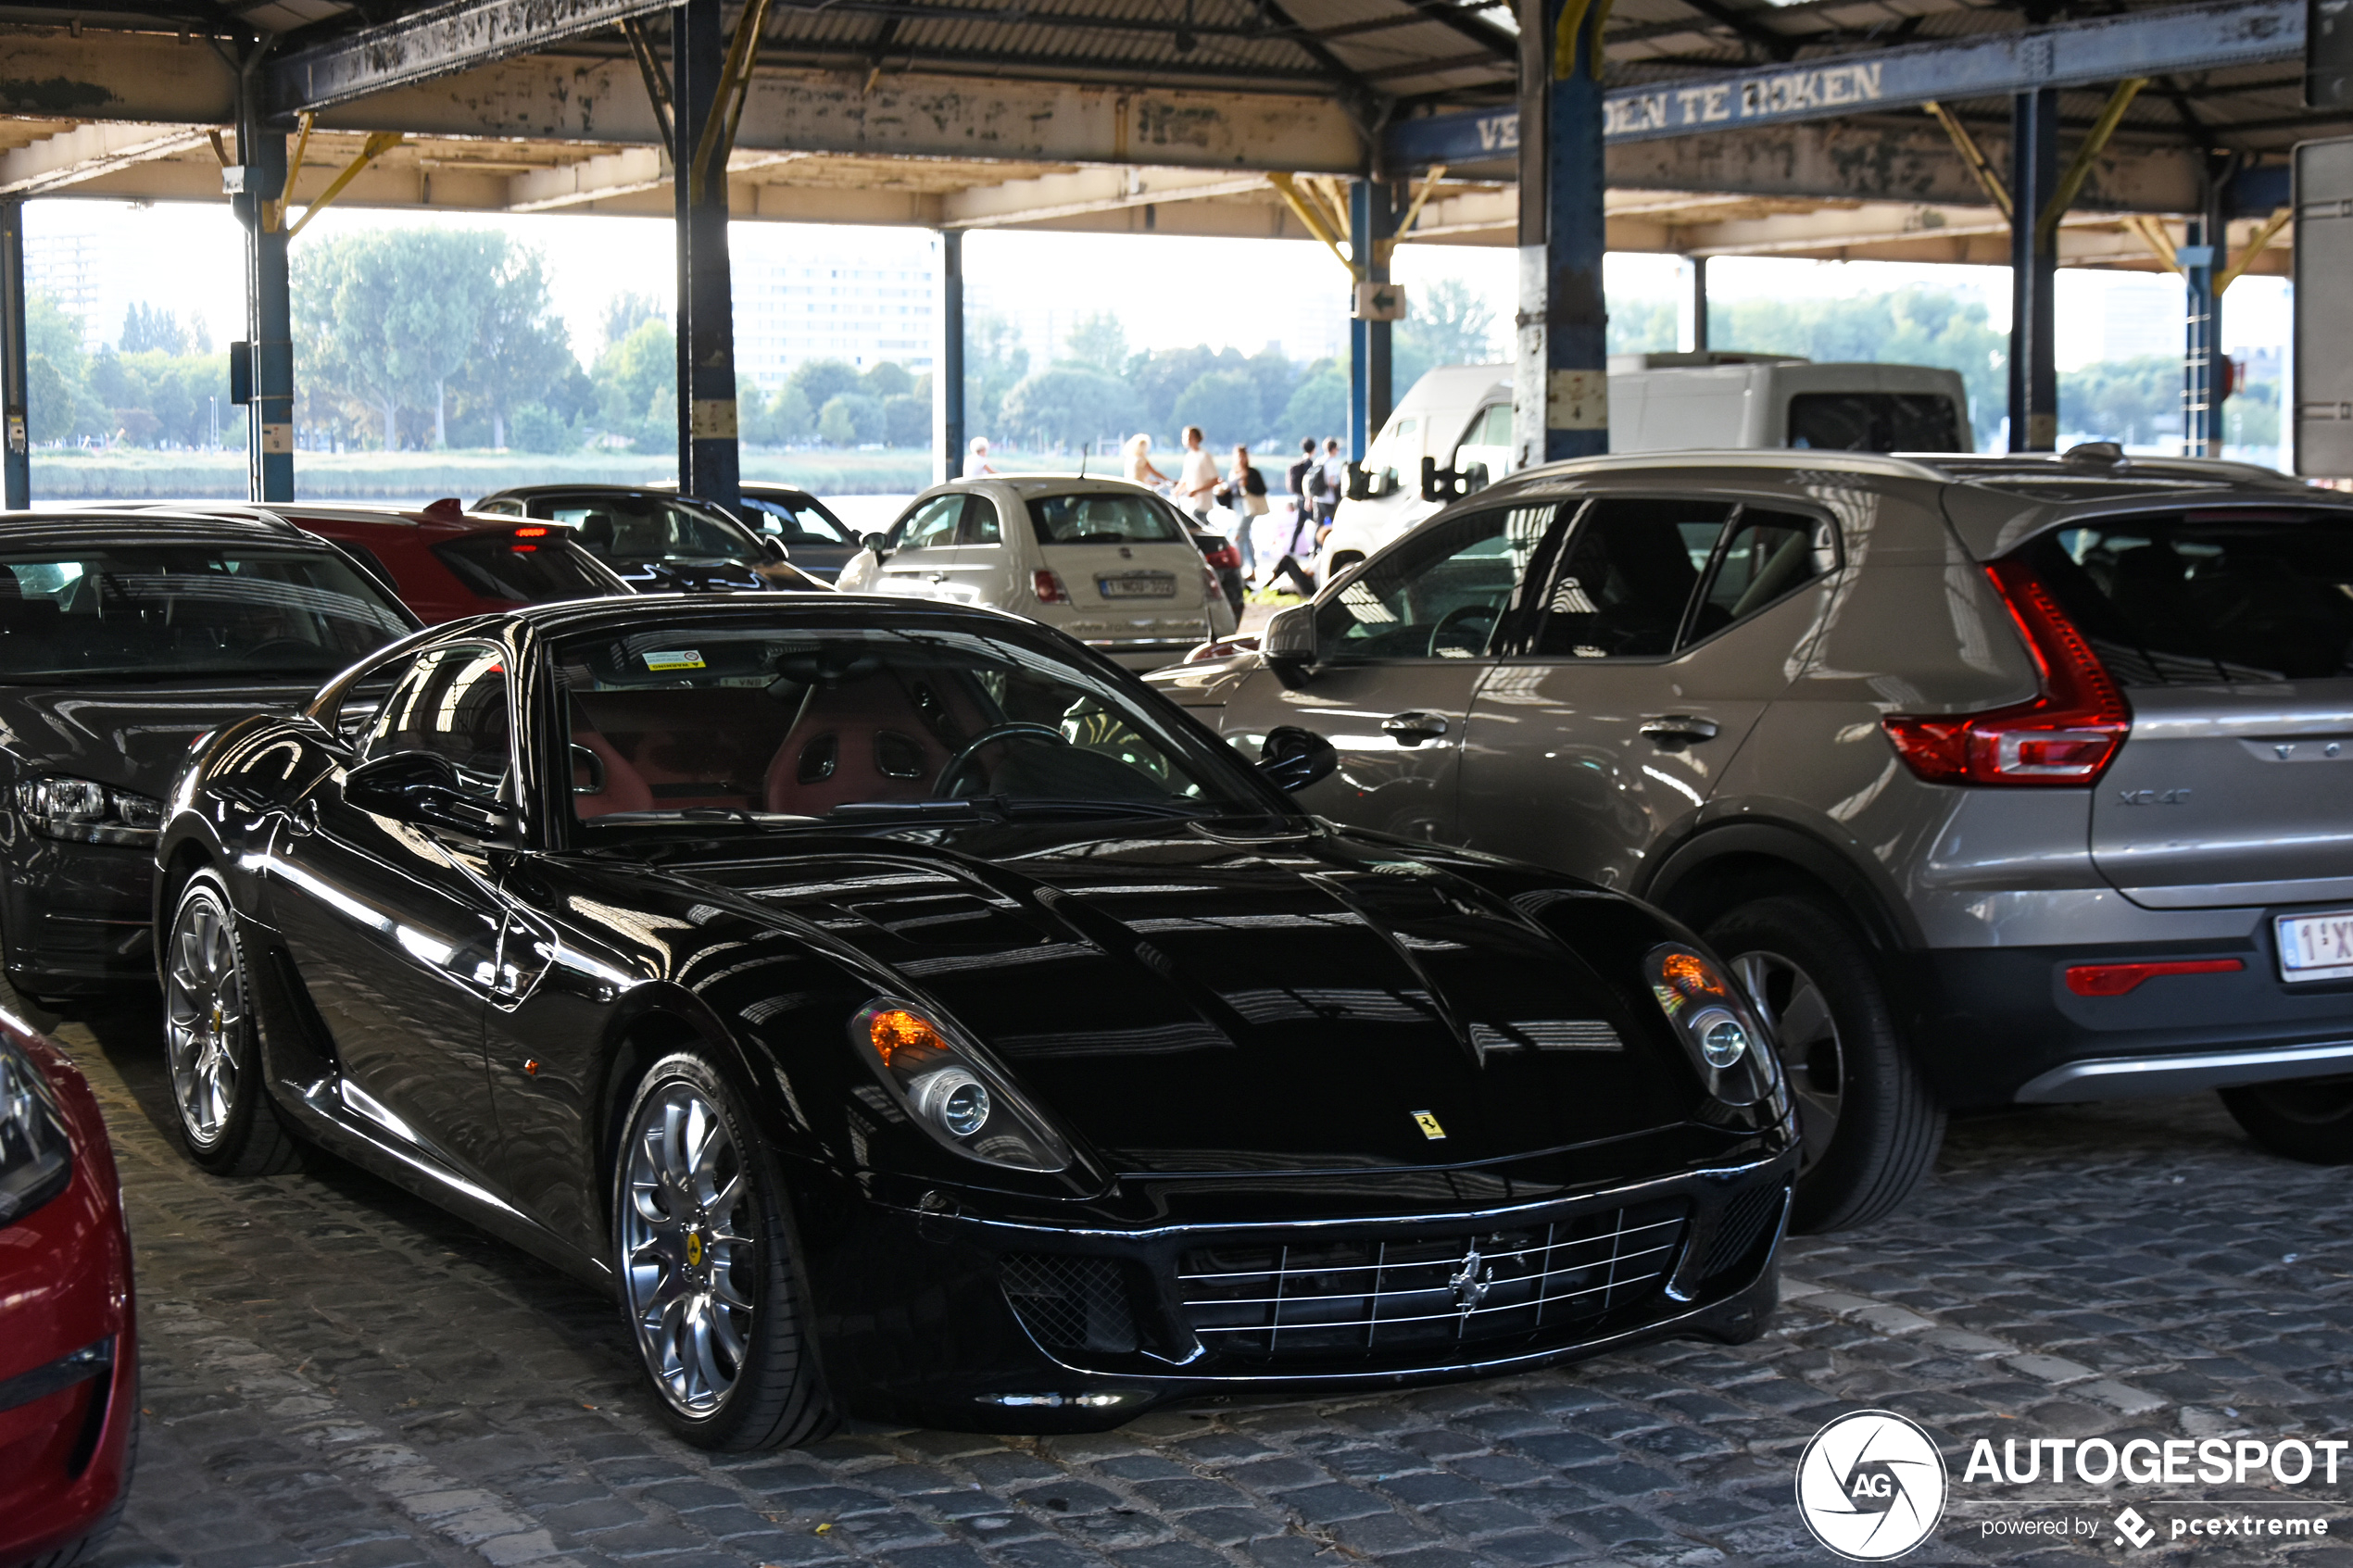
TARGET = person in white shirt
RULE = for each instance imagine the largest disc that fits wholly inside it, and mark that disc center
(1139, 463)
(1197, 477)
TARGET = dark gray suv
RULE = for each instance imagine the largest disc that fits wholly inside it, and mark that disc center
(1994, 778)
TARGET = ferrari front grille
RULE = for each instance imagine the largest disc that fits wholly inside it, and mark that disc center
(1374, 1295)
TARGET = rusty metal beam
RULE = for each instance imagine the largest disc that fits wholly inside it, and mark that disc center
(439, 41)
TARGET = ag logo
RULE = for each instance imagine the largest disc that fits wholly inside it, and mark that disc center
(1870, 1486)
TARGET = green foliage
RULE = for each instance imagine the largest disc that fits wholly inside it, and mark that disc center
(49, 398)
(1643, 326)
(1320, 406)
(1225, 404)
(888, 378)
(637, 384)
(624, 313)
(1447, 323)
(147, 328)
(907, 420)
(2251, 418)
(994, 361)
(1098, 342)
(56, 334)
(535, 428)
(1910, 326)
(1067, 405)
(2137, 402)
(822, 381)
(850, 418)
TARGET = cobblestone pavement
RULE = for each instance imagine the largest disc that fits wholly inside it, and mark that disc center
(337, 1373)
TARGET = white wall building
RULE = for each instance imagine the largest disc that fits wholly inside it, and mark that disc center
(863, 306)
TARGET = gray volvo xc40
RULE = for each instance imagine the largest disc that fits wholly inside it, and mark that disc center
(1995, 780)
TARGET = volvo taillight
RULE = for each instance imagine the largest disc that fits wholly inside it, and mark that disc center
(2066, 736)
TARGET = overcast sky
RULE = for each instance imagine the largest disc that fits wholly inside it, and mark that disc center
(1168, 291)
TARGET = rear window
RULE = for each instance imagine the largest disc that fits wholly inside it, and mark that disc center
(805, 522)
(1876, 421)
(501, 566)
(2190, 599)
(1103, 520)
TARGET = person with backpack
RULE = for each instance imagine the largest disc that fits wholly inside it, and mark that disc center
(1302, 504)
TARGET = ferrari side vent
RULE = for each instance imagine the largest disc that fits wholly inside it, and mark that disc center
(1070, 1303)
(1744, 1225)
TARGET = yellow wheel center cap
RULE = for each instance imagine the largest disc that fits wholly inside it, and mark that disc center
(219, 1016)
(694, 1248)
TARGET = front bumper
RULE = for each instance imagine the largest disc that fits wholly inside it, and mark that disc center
(77, 915)
(969, 1324)
(2005, 1027)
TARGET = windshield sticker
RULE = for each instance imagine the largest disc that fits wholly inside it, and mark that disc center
(681, 658)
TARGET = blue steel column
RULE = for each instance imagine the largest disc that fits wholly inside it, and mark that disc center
(708, 463)
(1371, 218)
(16, 413)
(2033, 368)
(2201, 258)
(1561, 387)
(947, 365)
(269, 316)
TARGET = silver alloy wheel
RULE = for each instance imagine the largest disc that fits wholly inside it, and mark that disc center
(1805, 1038)
(687, 1261)
(204, 1014)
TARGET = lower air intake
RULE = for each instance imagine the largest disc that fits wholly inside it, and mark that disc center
(1373, 1294)
(1744, 1225)
(1070, 1303)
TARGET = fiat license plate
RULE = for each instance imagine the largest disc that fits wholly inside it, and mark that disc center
(2316, 947)
(1138, 585)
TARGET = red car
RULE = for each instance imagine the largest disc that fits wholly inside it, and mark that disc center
(68, 1339)
(445, 562)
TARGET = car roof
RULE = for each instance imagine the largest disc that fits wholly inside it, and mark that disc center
(150, 525)
(635, 611)
(1028, 484)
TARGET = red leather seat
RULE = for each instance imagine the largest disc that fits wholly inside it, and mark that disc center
(862, 740)
(624, 788)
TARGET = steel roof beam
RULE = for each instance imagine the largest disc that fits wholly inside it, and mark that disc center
(2205, 37)
(439, 41)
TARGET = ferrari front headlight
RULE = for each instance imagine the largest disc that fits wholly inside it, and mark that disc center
(1716, 1023)
(951, 1090)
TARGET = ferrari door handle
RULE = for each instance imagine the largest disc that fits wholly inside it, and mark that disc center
(1413, 727)
(1672, 732)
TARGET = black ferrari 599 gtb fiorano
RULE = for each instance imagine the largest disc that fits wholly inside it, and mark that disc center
(906, 1013)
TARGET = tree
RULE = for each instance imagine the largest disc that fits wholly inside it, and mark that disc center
(1910, 326)
(822, 381)
(1225, 404)
(850, 418)
(640, 378)
(624, 313)
(49, 398)
(994, 361)
(521, 348)
(535, 428)
(1643, 326)
(148, 327)
(1098, 342)
(907, 422)
(2137, 402)
(888, 378)
(1068, 404)
(1160, 376)
(1449, 323)
(1320, 406)
(795, 420)
(387, 316)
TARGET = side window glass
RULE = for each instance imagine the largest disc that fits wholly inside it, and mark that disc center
(1442, 597)
(452, 703)
(930, 524)
(1628, 574)
(980, 526)
(1765, 556)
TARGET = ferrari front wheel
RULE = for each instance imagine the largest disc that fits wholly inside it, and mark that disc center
(706, 1263)
(212, 1041)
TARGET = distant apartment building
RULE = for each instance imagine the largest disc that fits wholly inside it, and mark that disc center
(79, 270)
(2141, 317)
(864, 308)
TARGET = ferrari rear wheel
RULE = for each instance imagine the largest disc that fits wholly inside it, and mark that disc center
(707, 1266)
(213, 1044)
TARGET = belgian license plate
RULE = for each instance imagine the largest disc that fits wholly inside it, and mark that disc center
(1138, 585)
(2316, 947)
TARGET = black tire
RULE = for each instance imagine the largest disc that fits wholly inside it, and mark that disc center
(2310, 1119)
(1844, 1058)
(772, 1393)
(212, 1041)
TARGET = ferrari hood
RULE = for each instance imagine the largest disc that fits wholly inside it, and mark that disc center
(134, 737)
(1194, 1004)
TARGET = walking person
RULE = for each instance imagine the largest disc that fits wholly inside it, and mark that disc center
(1244, 490)
(977, 465)
(1139, 463)
(1302, 503)
(1335, 485)
(1196, 488)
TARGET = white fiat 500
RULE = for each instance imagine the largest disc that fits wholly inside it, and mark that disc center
(1108, 563)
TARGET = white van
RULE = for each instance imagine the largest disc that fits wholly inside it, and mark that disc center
(1460, 416)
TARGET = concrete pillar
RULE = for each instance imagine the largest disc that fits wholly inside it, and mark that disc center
(2204, 256)
(269, 313)
(2034, 273)
(16, 415)
(1699, 305)
(947, 363)
(1561, 386)
(1372, 216)
(708, 460)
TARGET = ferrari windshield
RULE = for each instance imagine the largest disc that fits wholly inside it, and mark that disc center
(704, 720)
(143, 611)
